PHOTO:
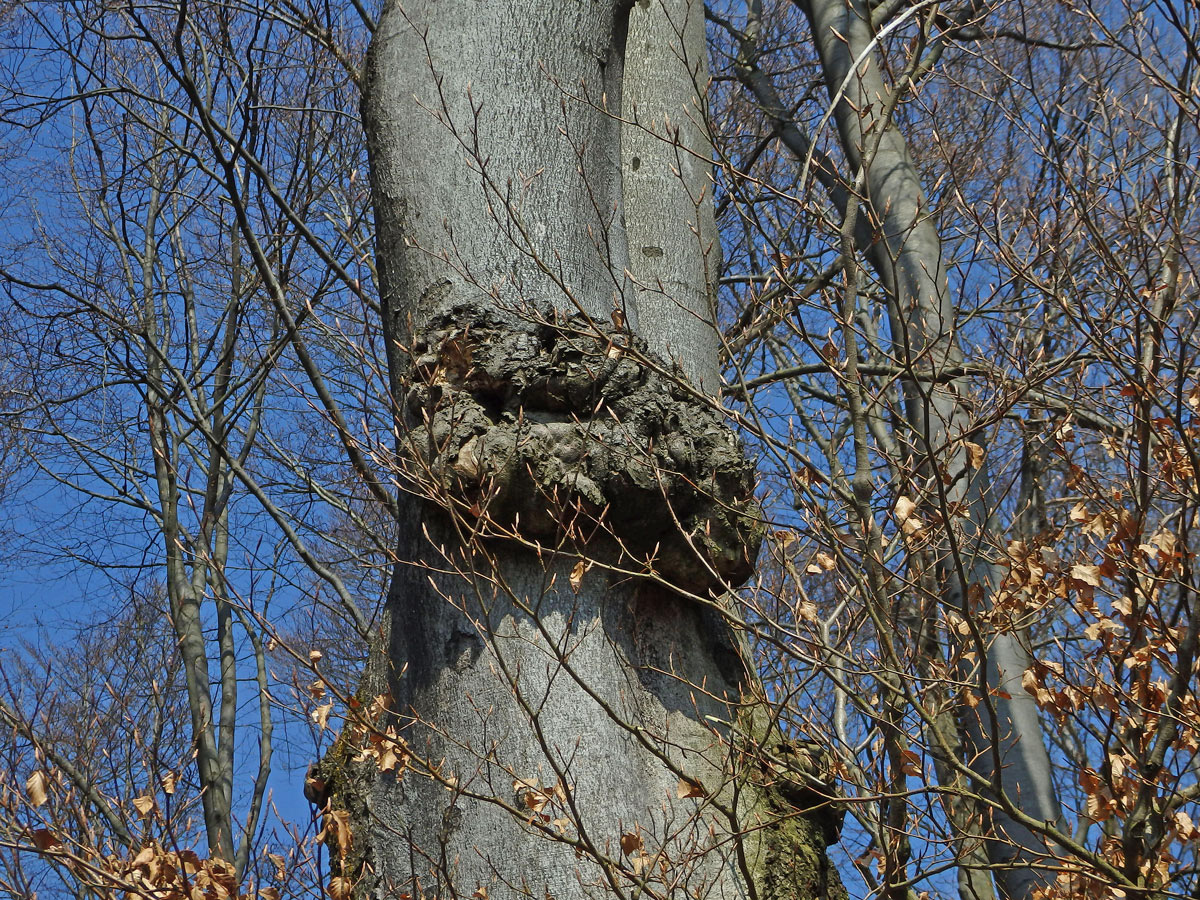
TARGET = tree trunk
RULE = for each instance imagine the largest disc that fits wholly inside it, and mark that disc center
(572, 725)
(1004, 731)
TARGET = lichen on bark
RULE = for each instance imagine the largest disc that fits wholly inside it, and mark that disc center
(344, 785)
(792, 811)
(570, 433)
(800, 797)
(341, 783)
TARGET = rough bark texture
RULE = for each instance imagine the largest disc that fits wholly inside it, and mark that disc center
(568, 433)
(552, 713)
(1005, 730)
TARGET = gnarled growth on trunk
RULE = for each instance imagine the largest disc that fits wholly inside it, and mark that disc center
(560, 429)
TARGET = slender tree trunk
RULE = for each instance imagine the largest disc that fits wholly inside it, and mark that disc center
(1008, 745)
(572, 726)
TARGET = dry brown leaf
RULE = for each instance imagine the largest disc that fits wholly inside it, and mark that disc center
(631, 842)
(37, 786)
(1102, 626)
(535, 801)
(535, 797)
(821, 562)
(577, 575)
(320, 715)
(388, 760)
(340, 887)
(379, 705)
(688, 788)
(144, 804)
(1086, 574)
(1185, 826)
(340, 821)
(1098, 806)
(45, 840)
(974, 454)
(1029, 681)
(958, 623)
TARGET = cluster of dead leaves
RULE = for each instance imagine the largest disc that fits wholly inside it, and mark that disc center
(914, 528)
(385, 748)
(154, 872)
(337, 834)
(1036, 579)
(1076, 882)
(544, 804)
(179, 875)
(1044, 680)
(380, 744)
(157, 873)
(641, 862)
(1172, 455)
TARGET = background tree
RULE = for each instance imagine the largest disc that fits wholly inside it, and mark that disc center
(924, 469)
(164, 276)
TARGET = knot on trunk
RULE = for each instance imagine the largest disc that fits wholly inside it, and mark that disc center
(571, 434)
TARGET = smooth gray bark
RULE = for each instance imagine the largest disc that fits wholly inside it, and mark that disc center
(490, 174)
(496, 149)
(1009, 747)
(667, 176)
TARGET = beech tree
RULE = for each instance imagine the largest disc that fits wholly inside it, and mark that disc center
(156, 224)
(569, 703)
(906, 254)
